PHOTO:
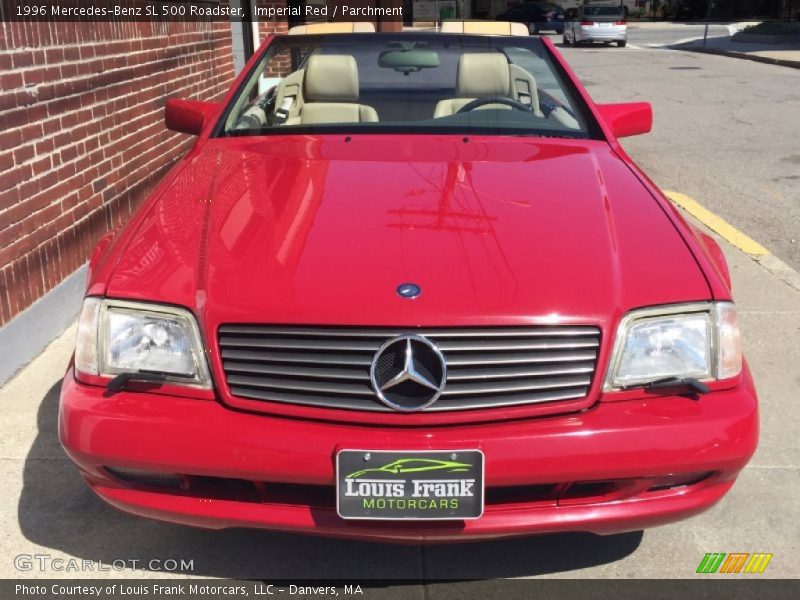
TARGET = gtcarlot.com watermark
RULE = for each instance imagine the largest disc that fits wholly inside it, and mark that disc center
(45, 563)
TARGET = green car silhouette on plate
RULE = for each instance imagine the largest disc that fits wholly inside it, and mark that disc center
(414, 465)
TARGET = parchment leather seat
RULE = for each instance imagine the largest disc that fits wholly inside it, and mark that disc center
(330, 92)
(489, 75)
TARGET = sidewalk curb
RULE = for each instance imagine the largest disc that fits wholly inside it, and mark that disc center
(792, 64)
(779, 269)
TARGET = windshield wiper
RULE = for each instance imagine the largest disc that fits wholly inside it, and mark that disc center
(120, 382)
(694, 386)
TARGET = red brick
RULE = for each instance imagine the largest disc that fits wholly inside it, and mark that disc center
(45, 146)
(33, 76)
(14, 177)
(54, 55)
(34, 273)
(69, 70)
(10, 139)
(9, 81)
(14, 302)
(69, 153)
(24, 153)
(51, 261)
(5, 305)
(10, 233)
(6, 161)
(50, 126)
(20, 279)
(40, 166)
(8, 198)
(94, 144)
(22, 59)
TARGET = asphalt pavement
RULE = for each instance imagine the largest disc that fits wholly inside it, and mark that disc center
(726, 131)
(713, 141)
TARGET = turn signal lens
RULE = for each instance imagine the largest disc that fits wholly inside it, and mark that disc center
(729, 349)
(86, 342)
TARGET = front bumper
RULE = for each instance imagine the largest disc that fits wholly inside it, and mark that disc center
(632, 441)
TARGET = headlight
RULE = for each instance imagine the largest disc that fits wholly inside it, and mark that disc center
(699, 341)
(116, 336)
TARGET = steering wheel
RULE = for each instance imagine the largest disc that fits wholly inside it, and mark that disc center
(483, 101)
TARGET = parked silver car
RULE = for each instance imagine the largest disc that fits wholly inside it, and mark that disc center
(596, 23)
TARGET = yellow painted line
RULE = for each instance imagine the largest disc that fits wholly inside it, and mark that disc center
(717, 224)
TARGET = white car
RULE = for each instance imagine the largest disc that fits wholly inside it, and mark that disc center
(596, 23)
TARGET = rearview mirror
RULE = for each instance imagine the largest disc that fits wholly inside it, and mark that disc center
(187, 116)
(408, 60)
(629, 118)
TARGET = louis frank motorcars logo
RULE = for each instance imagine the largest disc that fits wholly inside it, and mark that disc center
(378, 491)
(734, 562)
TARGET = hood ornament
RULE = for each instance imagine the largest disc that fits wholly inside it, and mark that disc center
(408, 290)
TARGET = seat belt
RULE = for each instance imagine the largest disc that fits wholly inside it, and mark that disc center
(283, 111)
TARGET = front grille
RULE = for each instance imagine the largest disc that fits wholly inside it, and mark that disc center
(486, 367)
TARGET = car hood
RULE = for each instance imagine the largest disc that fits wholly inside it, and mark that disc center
(322, 230)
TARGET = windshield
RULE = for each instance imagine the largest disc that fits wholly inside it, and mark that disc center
(405, 83)
(602, 11)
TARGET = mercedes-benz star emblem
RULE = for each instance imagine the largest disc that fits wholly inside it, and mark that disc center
(408, 373)
(408, 290)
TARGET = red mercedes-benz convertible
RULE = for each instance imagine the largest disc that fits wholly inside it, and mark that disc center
(409, 287)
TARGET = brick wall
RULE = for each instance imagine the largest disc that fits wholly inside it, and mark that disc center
(82, 139)
(280, 66)
(265, 27)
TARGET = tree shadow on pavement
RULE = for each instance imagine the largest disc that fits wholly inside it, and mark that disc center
(58, 511)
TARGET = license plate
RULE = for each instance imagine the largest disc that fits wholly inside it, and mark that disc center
(397, 485)
(604, 24)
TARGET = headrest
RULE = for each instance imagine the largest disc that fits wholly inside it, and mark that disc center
(482, 75)
(331, 78)
(340, 27)
(484, 27)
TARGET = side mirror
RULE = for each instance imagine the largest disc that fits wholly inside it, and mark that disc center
(187, 116)
(629, 118)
